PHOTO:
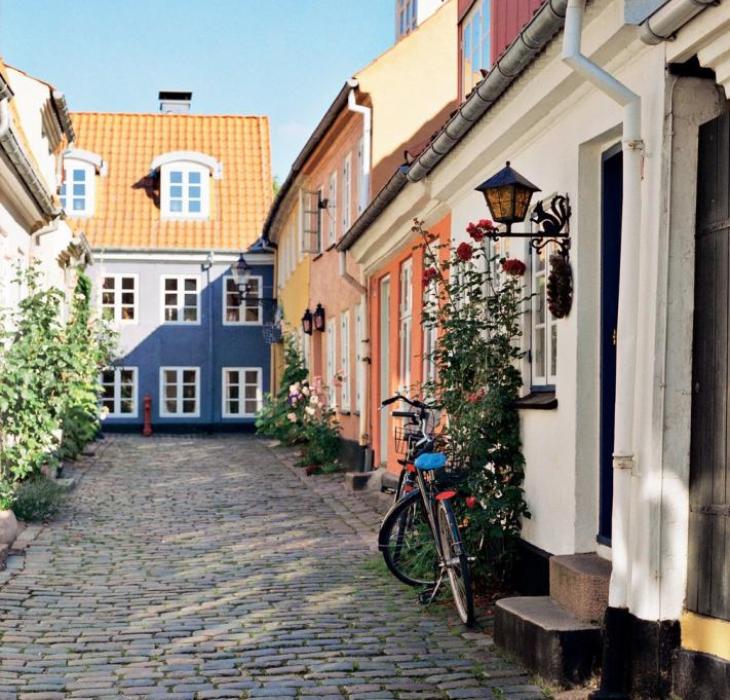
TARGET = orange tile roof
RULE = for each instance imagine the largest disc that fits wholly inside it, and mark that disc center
(127, 213)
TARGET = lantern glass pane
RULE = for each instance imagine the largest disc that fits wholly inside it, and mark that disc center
(522, 202)
(501, 203)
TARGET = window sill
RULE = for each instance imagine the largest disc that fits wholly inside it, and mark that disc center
(538, 400)
(317, 256)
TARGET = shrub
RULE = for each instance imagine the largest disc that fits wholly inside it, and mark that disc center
(38, 499)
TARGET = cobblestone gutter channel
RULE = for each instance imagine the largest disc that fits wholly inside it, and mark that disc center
(207, 568)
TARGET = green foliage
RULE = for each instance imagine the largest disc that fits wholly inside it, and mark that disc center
(320, 431)
(38, 499)
(48, 382)
(274, 419)
(476, 306)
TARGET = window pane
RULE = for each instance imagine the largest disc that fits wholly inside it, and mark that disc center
(170, 391)
(232, 376)
(232, 315)
(252, 315)
(79, 175)
(171, 283)
(191, 299)
(189, 406)
(171, 315)
(540, 301)
(79, 205)
(250, 392)
(176, 191)
(128, 298)
(126, 376)
(191, 285)
(190, 314)
(252, 377)
(194, 206)
(127, 282)
(194, 176)
(251, 407)
(189, 376)
(231, 285)
(553, 350)
(194, 192)
(540, 352)
(171, 299)
(233, 407)
(107, 313)
(107, 298)
(170, 376)
(175, 205)
(125, 391)
(171, 406)
(128, 313)
(126, 406)
(188, 391)
(80, 190)
(108, 404)
(233, 392)
(176, 176)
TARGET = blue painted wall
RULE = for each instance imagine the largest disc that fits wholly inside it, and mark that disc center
(149, 344)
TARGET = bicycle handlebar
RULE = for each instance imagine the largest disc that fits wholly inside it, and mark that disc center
(412, 402)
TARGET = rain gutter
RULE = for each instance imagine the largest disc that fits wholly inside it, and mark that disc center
(670, 18)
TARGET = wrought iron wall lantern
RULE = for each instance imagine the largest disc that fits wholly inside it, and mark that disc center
(508, 195)
(241, 273)
(307, 322)
(319, 318)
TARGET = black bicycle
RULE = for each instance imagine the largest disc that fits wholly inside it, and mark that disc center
(420, 538)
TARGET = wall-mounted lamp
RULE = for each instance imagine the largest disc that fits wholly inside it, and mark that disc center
(508, 195)
(241, 273)
(307, 322)
(319, 318)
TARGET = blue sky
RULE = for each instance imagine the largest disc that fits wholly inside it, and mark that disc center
(283, 58)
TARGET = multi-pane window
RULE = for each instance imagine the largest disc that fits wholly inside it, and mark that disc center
(119, 298)
(359, 358)
(119, 392)
(241, 391)
(405, 325)
(185, 192)
(361, 181)
(332, 209)
(407, 16)
(346, 193)
(180, 299)
(475, 44)
(345, 360)
(544, 325)
(179, 391)
(244, 312)
(430, 299)
(330, 364)
(76, 190)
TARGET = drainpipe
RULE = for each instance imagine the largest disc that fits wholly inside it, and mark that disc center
(367, 119)
(614, 677)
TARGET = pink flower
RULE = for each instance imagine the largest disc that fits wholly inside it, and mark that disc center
(514, 267)
(470, 501)
(464, 252)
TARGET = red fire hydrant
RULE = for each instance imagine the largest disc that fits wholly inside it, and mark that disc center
(147, 429)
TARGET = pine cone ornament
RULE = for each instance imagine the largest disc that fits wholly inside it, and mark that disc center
(560, 286)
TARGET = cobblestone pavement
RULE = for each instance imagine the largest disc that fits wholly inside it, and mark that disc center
(206, 568)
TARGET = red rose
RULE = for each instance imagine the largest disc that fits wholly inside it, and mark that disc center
(464, 251)
(487, 224)
(471, 501)
(514, 267)
(429, 274)
(476, 233)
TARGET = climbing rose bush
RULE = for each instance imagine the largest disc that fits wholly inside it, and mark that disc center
(476, 311)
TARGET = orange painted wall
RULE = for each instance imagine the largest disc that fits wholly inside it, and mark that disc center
(326, 286)
(392, 268)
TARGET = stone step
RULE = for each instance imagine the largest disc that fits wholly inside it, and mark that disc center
(548, 639)
(579, 583)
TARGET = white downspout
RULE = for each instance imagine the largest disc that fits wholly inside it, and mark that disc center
(623, 452)
(367, 120)
(363, 194)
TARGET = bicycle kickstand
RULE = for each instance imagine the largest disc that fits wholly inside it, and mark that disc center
(427, 595)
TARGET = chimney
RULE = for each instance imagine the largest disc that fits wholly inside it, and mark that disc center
(175, 102)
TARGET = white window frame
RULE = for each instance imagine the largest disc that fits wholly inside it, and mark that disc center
(244, 305)
(345, 361)
(89, 182)
(332, 209)
(548, 327)
(163, 412)
(117, 413)
(185, 168)
(359, 358)
(330, 364)
(180, 291)
(405, 326)
(361, 181)
(242, 413)
(430, 298)
(118, 291)
(346, 193)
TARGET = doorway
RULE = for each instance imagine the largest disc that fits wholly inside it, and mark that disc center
(384, 366)
(611, 205)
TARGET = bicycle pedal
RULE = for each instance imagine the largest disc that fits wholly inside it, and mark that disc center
(424, 597)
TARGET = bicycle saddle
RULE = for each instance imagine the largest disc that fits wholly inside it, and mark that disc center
(430, 461)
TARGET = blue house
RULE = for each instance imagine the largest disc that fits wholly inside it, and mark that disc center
(169, 202)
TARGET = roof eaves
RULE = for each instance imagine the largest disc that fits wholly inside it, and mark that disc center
(320, 130)
(533, 38)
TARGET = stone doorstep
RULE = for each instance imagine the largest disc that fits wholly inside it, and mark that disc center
(548, 639)
(579, 583)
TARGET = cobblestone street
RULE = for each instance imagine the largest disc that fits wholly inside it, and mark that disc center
(206, 568)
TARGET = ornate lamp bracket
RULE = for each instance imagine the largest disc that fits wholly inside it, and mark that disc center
(553, 224)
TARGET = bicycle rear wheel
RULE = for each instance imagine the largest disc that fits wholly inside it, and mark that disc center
(457, 564)
(407, 542)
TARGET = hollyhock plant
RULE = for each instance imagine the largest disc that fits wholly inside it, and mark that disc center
(477, 316)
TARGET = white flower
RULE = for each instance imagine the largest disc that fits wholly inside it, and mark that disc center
(310, 410)
(103, 412)
(305, 390)
(292, 417)
(294, 388)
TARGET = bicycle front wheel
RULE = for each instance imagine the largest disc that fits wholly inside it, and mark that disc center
(456, 562)
(407, 542)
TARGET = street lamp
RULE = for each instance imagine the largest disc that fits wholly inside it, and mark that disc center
(241, 272)
(508, 195)
(319, 318)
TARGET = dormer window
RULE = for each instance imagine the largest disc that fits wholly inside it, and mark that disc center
(185, 183)
(78, 190)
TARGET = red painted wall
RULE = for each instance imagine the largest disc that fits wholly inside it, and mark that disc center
(508, 18)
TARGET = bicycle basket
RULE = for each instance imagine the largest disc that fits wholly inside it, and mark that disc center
(404, 436)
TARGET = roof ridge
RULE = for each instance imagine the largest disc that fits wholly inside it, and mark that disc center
(168, 115)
